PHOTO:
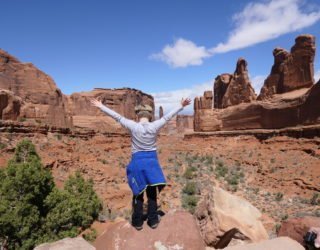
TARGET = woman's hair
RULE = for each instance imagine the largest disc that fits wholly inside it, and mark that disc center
(144, 114)
(144, 111)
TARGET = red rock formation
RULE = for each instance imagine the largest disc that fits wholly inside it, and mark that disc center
(293, 70)
(9, 105)
(285, 110)
(29, 93)
(177, 230)
(221, 84)
(122, 101)
(42, 100)
(184, 122)
(160, 112)
(233, 89)
(202, 103)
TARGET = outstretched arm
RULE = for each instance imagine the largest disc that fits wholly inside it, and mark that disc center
(161, 122)
(129, 124)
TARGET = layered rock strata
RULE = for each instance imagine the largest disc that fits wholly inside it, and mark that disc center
(288, 97)
(42, 100)
(122, 101)
(286, 110)
(27, 93)
(293, 70)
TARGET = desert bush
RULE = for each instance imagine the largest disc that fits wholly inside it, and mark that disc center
(33, 210)
(315, 199)
(221, 170)
(2, 145)
(189, 173)
(91, 235)
(189, 202)
(190, 188)
(279, 196)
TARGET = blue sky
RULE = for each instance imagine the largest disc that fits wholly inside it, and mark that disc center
(169, 48)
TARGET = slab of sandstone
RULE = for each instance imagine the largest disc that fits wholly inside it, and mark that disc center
(177, 230)
(220, 213)
(282, 243)
(67, 244)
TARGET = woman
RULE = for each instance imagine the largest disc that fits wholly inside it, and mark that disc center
(144, 172)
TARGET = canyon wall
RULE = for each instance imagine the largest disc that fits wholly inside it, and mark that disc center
(27, 93)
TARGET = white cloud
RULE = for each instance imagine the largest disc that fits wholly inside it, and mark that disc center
(182, 54)
(259, 22)
(171, 99)
(317, 75)
(256, 23)
(257, 83)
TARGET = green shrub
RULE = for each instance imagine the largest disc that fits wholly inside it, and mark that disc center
(233, 180)
(190, 188)
(189, 202)
(315, 199)
(91, 235)
(221, 171)
(2, 145)
(279, 196)
(33, 210)
(189, 173)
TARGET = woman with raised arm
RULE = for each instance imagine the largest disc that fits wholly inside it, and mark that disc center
(144, 172)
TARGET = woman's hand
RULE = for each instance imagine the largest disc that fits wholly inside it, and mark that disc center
(185, 102)
(96, 103)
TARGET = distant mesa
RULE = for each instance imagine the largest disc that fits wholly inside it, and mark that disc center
(288, 97)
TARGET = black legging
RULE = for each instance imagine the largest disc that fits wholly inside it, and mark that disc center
(137, 204)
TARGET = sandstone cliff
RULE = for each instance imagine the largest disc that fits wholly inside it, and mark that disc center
(122, 101)
(27, 93)
(42, 100)
(284, 110)
(292, 70)
(288, 97)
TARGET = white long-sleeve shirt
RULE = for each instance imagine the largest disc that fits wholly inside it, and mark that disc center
(143, 134)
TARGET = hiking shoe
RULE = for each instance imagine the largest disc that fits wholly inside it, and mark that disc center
(137, 222)
(153, 223)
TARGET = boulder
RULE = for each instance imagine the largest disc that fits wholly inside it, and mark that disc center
(282, 243)
(291, 71)
(67, 244)
(177, 230)
(223, 215)
(296, 228)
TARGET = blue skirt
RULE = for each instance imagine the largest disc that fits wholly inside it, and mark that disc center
(144, 170)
